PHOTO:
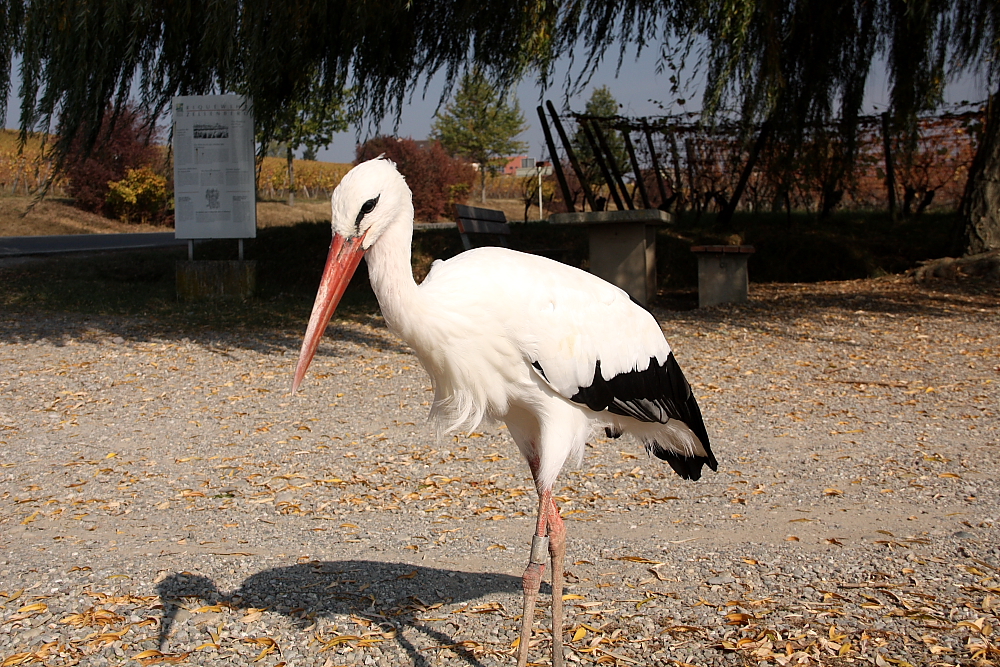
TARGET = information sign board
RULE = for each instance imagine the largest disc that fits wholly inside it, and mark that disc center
(214, 194)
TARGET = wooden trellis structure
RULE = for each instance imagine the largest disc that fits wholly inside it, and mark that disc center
(679, 163)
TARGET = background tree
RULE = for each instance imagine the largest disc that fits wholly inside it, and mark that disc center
(976, 46)
(980, 207)
(481, 125)
(602, 104)
(308, 123)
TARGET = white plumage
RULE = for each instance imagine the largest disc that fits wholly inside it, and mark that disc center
(552, 351)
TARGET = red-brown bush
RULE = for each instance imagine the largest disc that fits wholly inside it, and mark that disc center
(438, 181)
(120, 146)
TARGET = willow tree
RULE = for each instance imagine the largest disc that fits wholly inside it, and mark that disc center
(976, 42)
(800, 62)
(83, 59)
(795, 65)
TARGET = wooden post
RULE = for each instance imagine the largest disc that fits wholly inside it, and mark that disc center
(291, 176)
(678, 177)
(728, 212)
(556, 165)
(656, 162)
(572, 156)
(890, 172)
(635, 170)
(614, 167)
(601, 164)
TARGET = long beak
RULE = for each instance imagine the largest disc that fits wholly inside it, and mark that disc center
(341, 263)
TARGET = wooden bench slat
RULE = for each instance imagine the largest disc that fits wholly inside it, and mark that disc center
(483, 224)
(474, 213)
(482, 227)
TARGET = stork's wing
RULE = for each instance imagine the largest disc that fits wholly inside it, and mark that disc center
(618, 361)
(585, 338)
(595, 346)
(604, 351)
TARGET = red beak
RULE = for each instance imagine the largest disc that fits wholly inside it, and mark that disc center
(341, 263)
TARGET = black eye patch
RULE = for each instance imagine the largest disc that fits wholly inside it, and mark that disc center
(366, 208)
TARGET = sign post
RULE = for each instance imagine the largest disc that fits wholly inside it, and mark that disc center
(214, 191)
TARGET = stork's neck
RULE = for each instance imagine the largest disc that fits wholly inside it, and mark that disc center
(391, 276)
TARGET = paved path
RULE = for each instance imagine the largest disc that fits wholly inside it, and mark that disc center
(13, 246)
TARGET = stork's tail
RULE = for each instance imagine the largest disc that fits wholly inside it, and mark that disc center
(688, 467)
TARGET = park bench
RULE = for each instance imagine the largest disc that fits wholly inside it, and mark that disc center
(482, 227)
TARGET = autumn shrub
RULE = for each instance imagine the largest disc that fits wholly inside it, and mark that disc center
(437, 180)
(121, 145)
(141, 196)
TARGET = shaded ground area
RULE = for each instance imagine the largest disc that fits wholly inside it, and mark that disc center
(164, 497)
(789, 248)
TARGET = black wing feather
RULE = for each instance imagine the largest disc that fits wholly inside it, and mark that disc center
(657, 394)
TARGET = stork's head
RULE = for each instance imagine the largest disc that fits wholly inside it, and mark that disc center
(369, 199)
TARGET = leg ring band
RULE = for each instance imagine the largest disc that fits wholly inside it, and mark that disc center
(539, 549)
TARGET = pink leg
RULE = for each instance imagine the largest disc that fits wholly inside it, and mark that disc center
(557, 550)
(532, 579)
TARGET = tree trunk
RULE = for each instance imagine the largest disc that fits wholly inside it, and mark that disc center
(890, 169)
(291, 177)
(980, 210)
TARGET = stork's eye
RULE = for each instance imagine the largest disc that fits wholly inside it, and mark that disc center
(366, 208)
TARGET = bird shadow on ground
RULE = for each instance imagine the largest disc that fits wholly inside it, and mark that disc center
(390, 595)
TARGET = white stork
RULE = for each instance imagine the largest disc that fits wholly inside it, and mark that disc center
(550, 350)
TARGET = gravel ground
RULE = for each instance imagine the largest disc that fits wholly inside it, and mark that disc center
(164, 499)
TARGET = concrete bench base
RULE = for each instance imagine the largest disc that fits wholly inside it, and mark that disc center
(622, 247)
(207, 279)
(722, 274)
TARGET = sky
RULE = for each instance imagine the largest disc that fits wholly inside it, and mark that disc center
(636, 85)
